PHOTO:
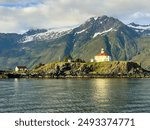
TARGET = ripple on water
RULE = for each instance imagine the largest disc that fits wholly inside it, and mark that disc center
(93, 95)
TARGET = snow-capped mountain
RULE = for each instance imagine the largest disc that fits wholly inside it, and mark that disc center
(95, 26)
(141, 29)
(99, 25)
(84, 41)
(49, 34)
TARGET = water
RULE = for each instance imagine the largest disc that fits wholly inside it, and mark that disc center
(75, 95)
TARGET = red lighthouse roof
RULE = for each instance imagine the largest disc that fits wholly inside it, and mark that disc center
(102, 53)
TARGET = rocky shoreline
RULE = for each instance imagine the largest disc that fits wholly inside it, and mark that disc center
(7, 76)
(62, 70)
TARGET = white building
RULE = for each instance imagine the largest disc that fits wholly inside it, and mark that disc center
(20, 68)
(92, 60)
(101, 57)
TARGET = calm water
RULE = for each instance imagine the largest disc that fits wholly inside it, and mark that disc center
(71, 95)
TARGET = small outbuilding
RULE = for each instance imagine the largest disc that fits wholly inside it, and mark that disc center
(20, 68)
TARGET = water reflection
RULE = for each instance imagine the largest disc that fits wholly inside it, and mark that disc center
(110, 95)
(72, 95)
(16, 85)
(101, 88)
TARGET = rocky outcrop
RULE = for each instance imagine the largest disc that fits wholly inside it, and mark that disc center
(110, 69)
(103, 69)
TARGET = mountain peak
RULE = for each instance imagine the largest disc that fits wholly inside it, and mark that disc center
(103, 17)
(35, 31)
(134, 24)
(141, 29)
(138, 25)
(100, 24)
(99, 17)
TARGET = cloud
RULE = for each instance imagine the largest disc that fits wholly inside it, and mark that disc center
(17, 1)
(20, 15)
(19, 4)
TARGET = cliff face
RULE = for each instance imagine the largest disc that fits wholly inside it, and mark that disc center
(77, 69)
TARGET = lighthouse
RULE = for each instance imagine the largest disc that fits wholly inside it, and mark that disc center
(102, 56)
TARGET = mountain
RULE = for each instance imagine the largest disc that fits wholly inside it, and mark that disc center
(143, 43)
(36, 46)
(106, 32)
(143, 30)
(43, 34)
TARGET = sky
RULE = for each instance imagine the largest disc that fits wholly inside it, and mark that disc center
(20, 15)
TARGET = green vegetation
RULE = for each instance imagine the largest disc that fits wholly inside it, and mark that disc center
(112, 67)
(81, 69)
(143, 56)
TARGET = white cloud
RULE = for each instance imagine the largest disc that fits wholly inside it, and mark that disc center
(5, 1)
(138, 15)
(19, 15)
(16, 1)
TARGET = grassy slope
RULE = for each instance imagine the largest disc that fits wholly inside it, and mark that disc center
(119, 50)
(143, 57)
(102, 67)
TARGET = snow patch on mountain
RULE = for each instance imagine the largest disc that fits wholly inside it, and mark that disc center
(81, 31)
(95, 18)
(53, 33)
(64, 29)
(140, 27)
(27, 39)
(103, 32)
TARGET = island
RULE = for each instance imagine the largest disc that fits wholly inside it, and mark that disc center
(101, 66)
(107, 69)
